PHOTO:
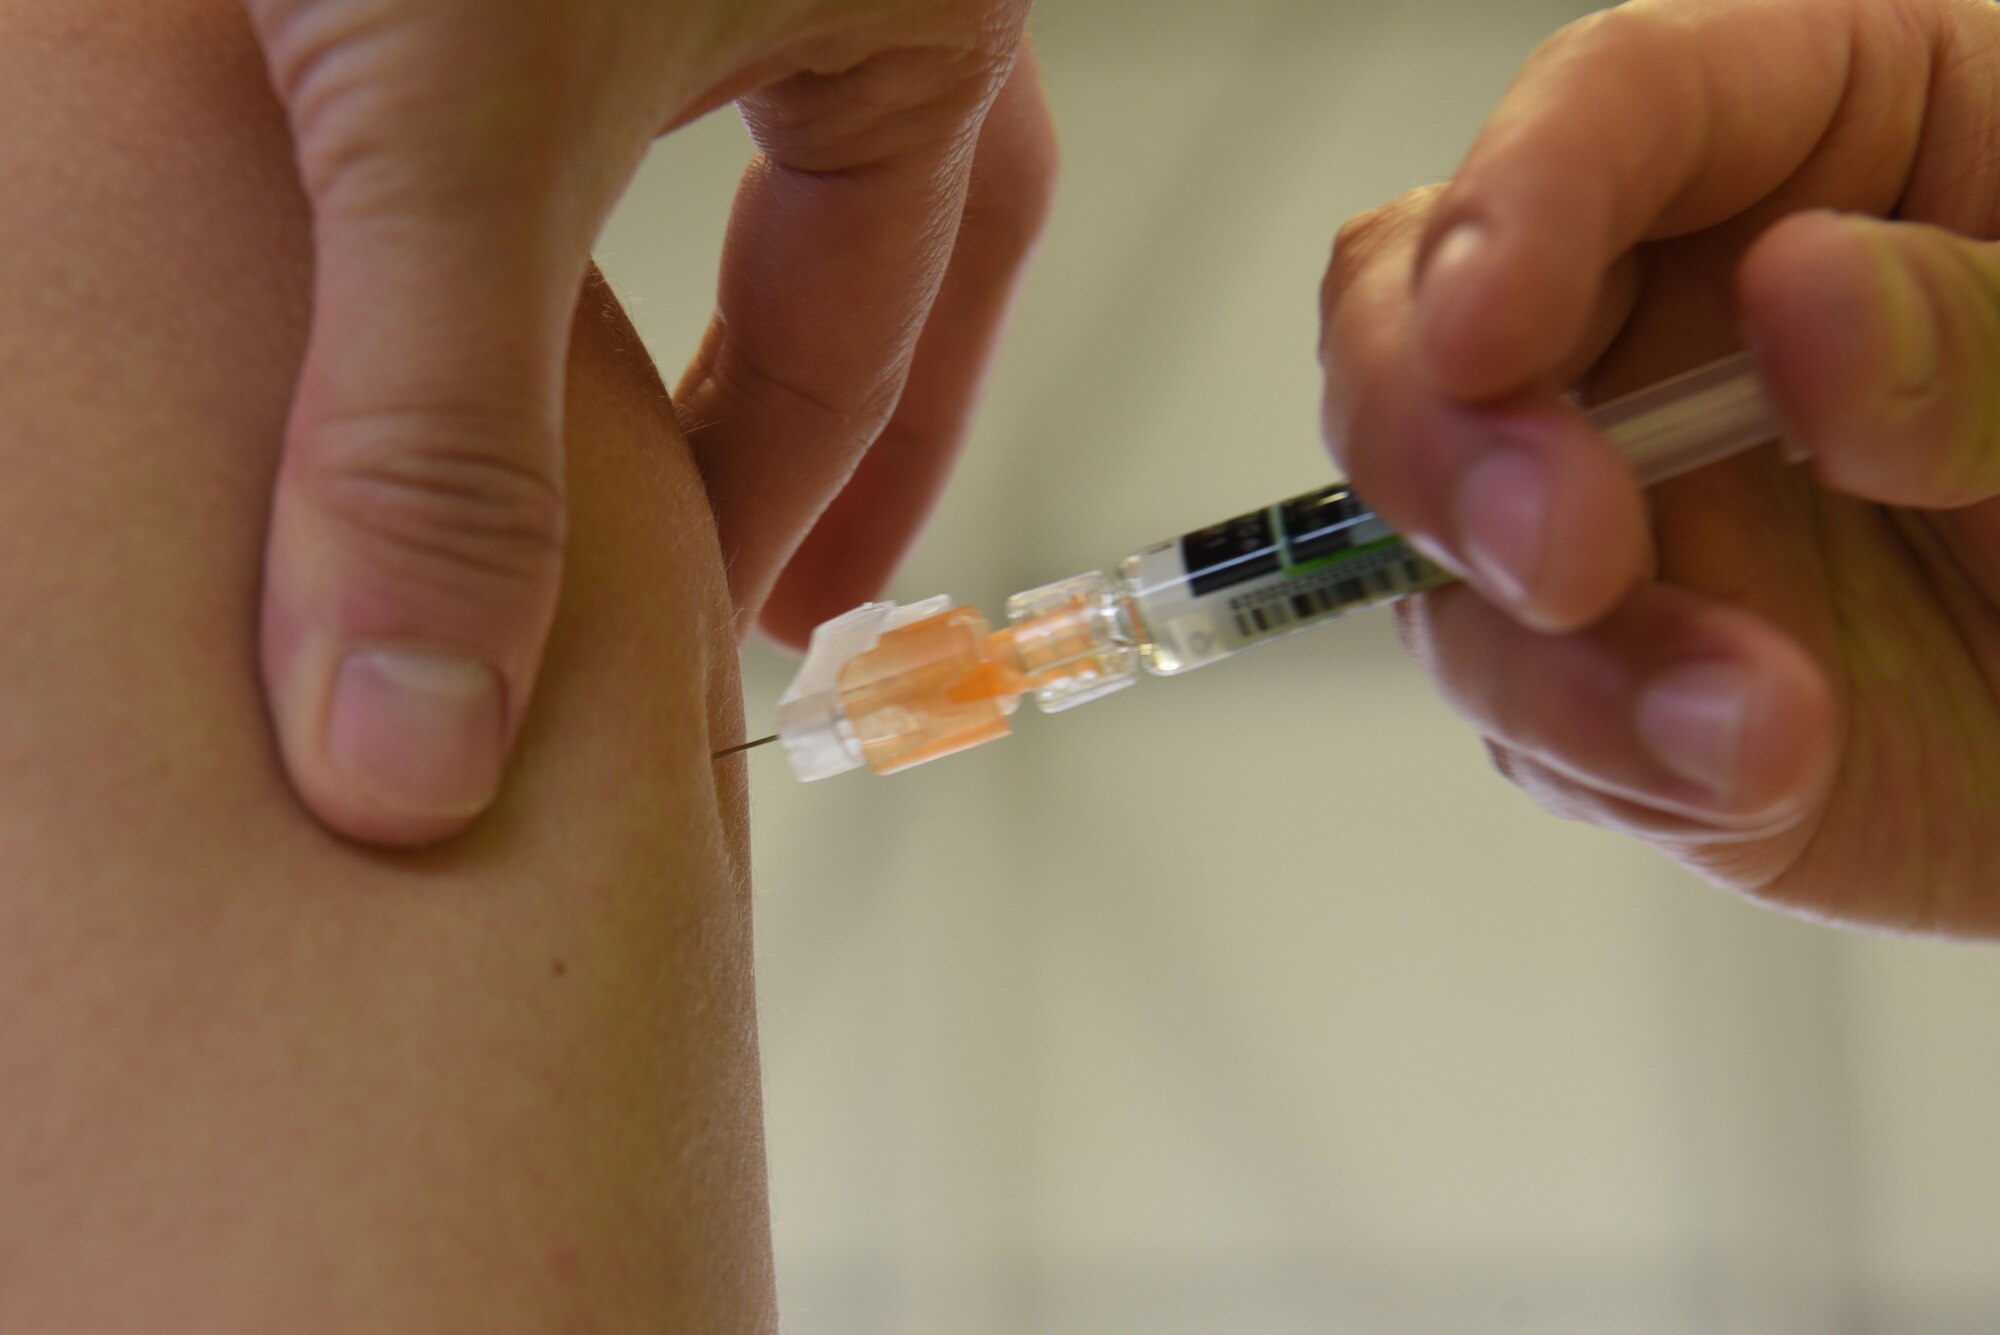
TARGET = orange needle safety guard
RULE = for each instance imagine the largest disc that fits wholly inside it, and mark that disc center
(901, 686)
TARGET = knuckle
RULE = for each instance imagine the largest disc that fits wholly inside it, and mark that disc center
(1608, 34)
(342, 111)
(427, 498)
(378, 122)
(1367, 239)
(299, 39)
(850, 418)
(1358, 238)
(865, 110)
(1013, 182)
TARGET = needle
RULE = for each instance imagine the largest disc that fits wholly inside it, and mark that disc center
(745, 746)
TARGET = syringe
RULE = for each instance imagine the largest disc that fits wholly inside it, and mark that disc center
(890, 687)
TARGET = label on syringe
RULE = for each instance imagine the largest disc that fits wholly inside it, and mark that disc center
(1269, 573)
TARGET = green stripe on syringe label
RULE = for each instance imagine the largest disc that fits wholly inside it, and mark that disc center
(1306, 533)
(1381, 572)
(1325, 526)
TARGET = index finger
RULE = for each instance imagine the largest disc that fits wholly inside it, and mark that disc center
(837, 247)
(1655, 119)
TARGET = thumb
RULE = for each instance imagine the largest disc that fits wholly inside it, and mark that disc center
(1879, 342)
(417, 529)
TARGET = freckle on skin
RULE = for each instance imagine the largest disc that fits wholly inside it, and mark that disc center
(564, 1263)
(558, 969)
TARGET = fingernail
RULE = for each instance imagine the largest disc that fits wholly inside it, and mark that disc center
(1454, 256)
(1913, 339)
(1435, 552)
(1501, 502)
(423, 732)
(1691, 719)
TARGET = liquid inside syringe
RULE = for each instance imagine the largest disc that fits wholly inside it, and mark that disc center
(890, 687)
(1222, 589)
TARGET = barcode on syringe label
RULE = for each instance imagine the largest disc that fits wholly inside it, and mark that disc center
(1284, 604)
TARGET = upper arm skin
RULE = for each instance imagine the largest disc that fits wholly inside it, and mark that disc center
(256, 1078)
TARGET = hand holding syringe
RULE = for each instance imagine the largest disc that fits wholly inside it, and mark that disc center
(891, 687)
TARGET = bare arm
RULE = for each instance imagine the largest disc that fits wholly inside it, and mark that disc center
(256, 1078)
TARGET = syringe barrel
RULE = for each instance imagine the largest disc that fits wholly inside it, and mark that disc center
(1324, 555)
(1265, 575)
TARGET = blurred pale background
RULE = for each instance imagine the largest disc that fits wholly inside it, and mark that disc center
(1255, 1002)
